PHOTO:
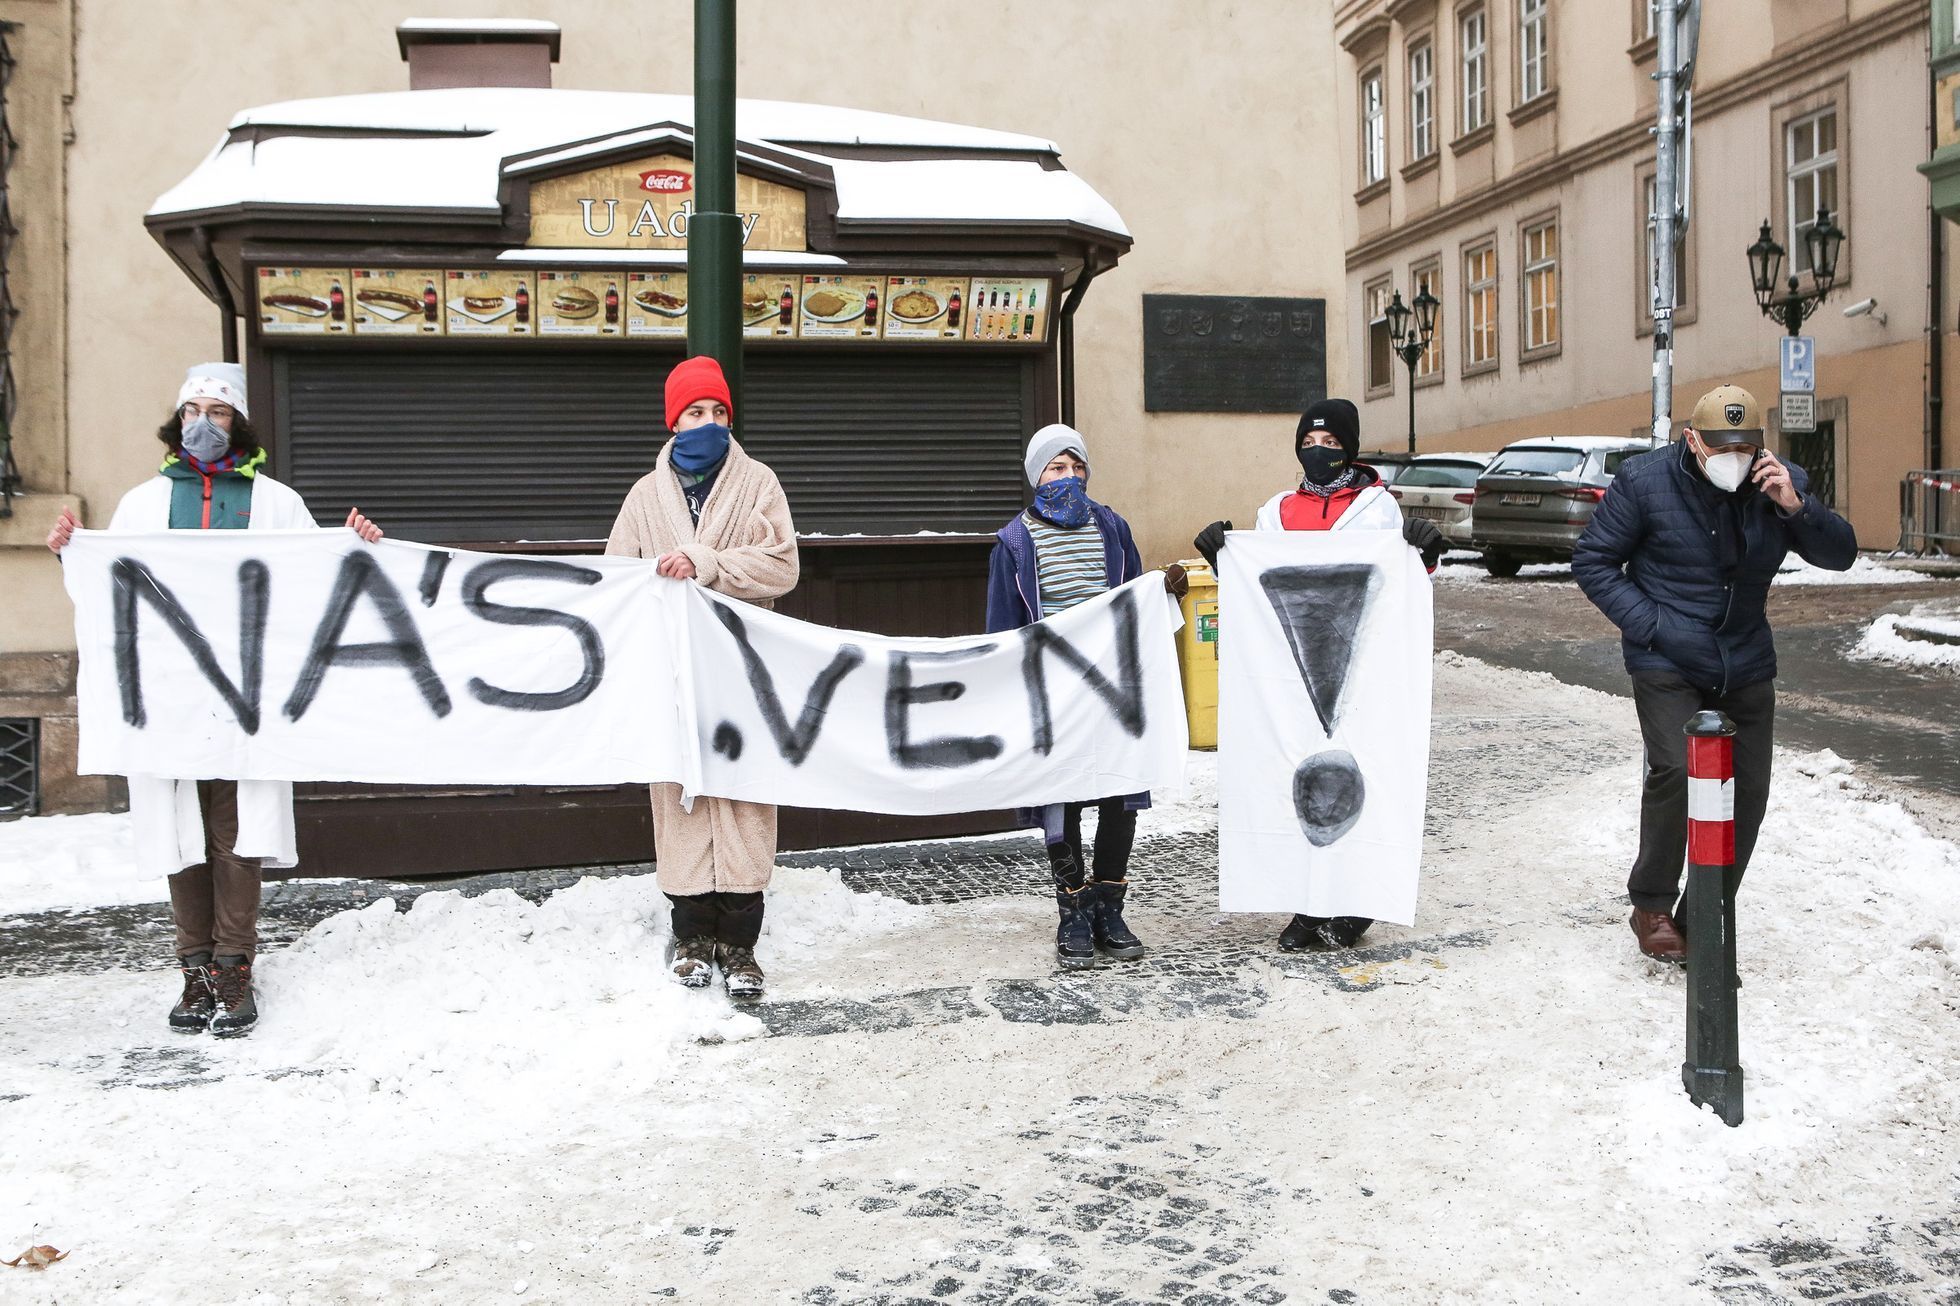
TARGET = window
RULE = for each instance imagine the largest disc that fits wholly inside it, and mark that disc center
(1534, 52)
(1480, 307)
(1475, 47)
(1653, 9)
(1540, 286)
(1811, 175)
(1439, 476)
(1381, 350)
(1374, 136)
(1422, 101)
(1535, 462)
(1429, 278)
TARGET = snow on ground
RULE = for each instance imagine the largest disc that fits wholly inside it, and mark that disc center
(1867, 570)
(1882, 642)
(53, 862)
(1462, 571)
(485, 1099)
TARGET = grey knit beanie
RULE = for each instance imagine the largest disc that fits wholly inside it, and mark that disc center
(1049, 441)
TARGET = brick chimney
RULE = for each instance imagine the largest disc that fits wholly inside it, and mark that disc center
(449, 52)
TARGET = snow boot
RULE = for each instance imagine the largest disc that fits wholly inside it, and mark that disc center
(692, 963)
(1301, 933)
(740, 974)
(1112, 935)
(231, 985)
(193, 1012)
(1075, 937)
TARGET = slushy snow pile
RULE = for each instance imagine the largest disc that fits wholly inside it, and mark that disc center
(1863, 571)
(1882, 642)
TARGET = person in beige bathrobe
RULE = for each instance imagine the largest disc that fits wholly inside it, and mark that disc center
(710, 513)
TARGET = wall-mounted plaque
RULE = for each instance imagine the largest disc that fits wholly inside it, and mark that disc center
(1233, 354)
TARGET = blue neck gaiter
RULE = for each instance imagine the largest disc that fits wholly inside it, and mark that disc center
(700, 449)
(1063, 503)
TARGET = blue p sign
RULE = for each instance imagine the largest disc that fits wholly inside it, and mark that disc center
(1799, 364)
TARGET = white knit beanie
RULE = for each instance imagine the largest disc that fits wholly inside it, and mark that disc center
(1049, 441)
(224, 382)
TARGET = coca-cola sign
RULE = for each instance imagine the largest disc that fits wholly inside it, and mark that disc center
(667, 181)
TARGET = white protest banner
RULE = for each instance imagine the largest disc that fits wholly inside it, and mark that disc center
(1323, 723)
(309, 655)
(1084, 705)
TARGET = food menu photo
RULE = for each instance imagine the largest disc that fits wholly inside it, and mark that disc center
(656, 305)
(844, 307)
(924, 308)
(489, 302)
(580, 304)
(397, 301)
(303, 301)
(769, 305)
(1008, 309)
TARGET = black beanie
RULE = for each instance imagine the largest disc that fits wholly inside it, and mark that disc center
(1336, 415)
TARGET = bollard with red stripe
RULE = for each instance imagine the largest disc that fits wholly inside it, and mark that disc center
(1712, 1073)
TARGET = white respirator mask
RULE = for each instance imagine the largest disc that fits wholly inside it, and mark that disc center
(1727, 471)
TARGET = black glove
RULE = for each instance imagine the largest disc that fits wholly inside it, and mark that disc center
(1176, 583)
(1424, 537)
(1210, 540)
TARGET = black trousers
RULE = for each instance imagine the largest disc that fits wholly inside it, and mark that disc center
(731, 918)
(1116, 834)
(1665, 702)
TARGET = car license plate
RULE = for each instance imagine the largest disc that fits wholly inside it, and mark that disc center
(1520, 500)
(1429, 514)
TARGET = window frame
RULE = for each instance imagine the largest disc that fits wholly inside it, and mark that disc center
(1784, 114)
(1371, 321)
(1423, 137)
(1551, 348)
(1373, 152)
(1473, 91)
(1472, 364)
(1686, 264)
(1521, 56)
(1429, 271)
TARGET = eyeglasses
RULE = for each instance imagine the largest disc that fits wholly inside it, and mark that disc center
(215, 410)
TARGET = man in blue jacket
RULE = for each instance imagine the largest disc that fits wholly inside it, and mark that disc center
(1680, 557)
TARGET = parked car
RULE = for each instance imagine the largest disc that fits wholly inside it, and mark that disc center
(1441, 487)
(1387, 465)
(1536, 496)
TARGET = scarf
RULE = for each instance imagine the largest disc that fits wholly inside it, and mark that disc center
(1063, 503)
(699, 449)
(1349, 476)
(233, 460)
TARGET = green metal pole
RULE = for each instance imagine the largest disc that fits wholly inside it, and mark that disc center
(714, 233)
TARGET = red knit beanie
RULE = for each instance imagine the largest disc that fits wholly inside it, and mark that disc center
(697, 378)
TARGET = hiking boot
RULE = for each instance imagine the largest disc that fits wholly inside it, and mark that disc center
(1343, 931)
(693, 963)
(1658, 937)
(1112, 935)
(1301, 933)
(231, 985)
(192, 1014)
(1075, 937)
(740, 974)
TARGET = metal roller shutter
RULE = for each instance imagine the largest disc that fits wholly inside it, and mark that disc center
(451, 447)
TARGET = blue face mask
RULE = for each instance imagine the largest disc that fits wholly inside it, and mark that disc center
(203, 440)
(1064, 502)
(700, 449)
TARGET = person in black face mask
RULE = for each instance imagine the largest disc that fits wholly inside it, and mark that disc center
(1336, 493)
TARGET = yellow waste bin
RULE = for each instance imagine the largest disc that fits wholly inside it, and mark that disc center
(1197, 654)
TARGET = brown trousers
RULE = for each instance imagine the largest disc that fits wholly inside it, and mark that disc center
(216, 903)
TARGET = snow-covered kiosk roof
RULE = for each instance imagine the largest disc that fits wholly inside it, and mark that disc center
(496, 174)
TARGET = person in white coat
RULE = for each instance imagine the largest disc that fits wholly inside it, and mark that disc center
(212, 838)
(1336, 493)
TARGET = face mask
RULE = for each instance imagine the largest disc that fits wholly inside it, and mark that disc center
(203, 440)
(1321, 464)
(1727, 471)
(1064, 502)
(700, 449)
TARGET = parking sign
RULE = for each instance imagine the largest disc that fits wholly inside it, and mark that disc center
(1799, 365)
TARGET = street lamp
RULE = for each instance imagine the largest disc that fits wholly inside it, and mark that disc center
(1822, 242)
(1410, 339)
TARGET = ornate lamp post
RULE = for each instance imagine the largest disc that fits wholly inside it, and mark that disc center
(1822, 242)
(1410, 330)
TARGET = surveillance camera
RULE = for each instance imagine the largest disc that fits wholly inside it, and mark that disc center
(1866, 308)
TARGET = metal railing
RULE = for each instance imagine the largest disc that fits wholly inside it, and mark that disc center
(9, 473)
(1929, 512)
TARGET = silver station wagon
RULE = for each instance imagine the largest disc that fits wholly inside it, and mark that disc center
(1537, 496)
